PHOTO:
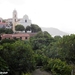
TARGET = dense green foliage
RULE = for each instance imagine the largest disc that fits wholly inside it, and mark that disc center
(18, 56)
(67, 48)
(57, 67)
(33, 28)
(3, 65)
(58, 47)
(7, 41)
(19, 28)
(28, 28)
(6, 31)
(55, 54)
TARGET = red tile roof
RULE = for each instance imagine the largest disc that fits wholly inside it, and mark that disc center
(1, 23)
(15, 35)
(20, 35)
(6, 35)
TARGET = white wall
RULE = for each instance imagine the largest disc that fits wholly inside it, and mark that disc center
(25, 21)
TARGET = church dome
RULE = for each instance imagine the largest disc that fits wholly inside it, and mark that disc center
(25, 16)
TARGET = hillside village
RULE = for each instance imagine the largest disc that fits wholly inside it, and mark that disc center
(11, 23)
(27, 50)
(30, 49)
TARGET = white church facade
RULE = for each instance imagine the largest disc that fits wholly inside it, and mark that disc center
(25, 21)
(12, 22)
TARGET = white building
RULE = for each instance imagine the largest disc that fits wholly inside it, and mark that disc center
(25, 21)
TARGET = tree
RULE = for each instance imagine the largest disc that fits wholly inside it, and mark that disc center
(28, 28)
(6, 31)
(40, 34)
(42, 42)
(67, 48)
(7, 41)
(46, 34)
(19, 28)
(56, 38)
(23, 57)
(58, 67)
(3, 64)
(35, 28)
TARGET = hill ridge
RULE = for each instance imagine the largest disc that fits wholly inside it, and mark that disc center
(54, 31)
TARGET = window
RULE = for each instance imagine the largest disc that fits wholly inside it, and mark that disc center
(25, 37)
(25, 20)
(15, 38)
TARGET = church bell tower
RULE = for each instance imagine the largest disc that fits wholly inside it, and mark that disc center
(14, 19)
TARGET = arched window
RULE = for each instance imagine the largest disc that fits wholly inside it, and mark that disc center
(25, 20)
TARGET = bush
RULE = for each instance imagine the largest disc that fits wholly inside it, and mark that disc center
(40, 59)
(58, 67)
(26, 74)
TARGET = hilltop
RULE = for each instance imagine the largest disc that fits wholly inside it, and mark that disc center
(54, 31)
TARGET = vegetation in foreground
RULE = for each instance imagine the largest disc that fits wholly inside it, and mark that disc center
(54, 54)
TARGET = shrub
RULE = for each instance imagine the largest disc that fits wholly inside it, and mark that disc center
(26, 74)
(58, 67)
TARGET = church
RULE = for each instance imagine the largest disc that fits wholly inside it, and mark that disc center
(12, 22)
(25, 21)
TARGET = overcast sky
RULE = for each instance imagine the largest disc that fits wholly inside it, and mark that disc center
(46, 13)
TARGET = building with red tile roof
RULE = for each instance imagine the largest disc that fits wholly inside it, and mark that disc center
(3, 25)
(16, 36)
